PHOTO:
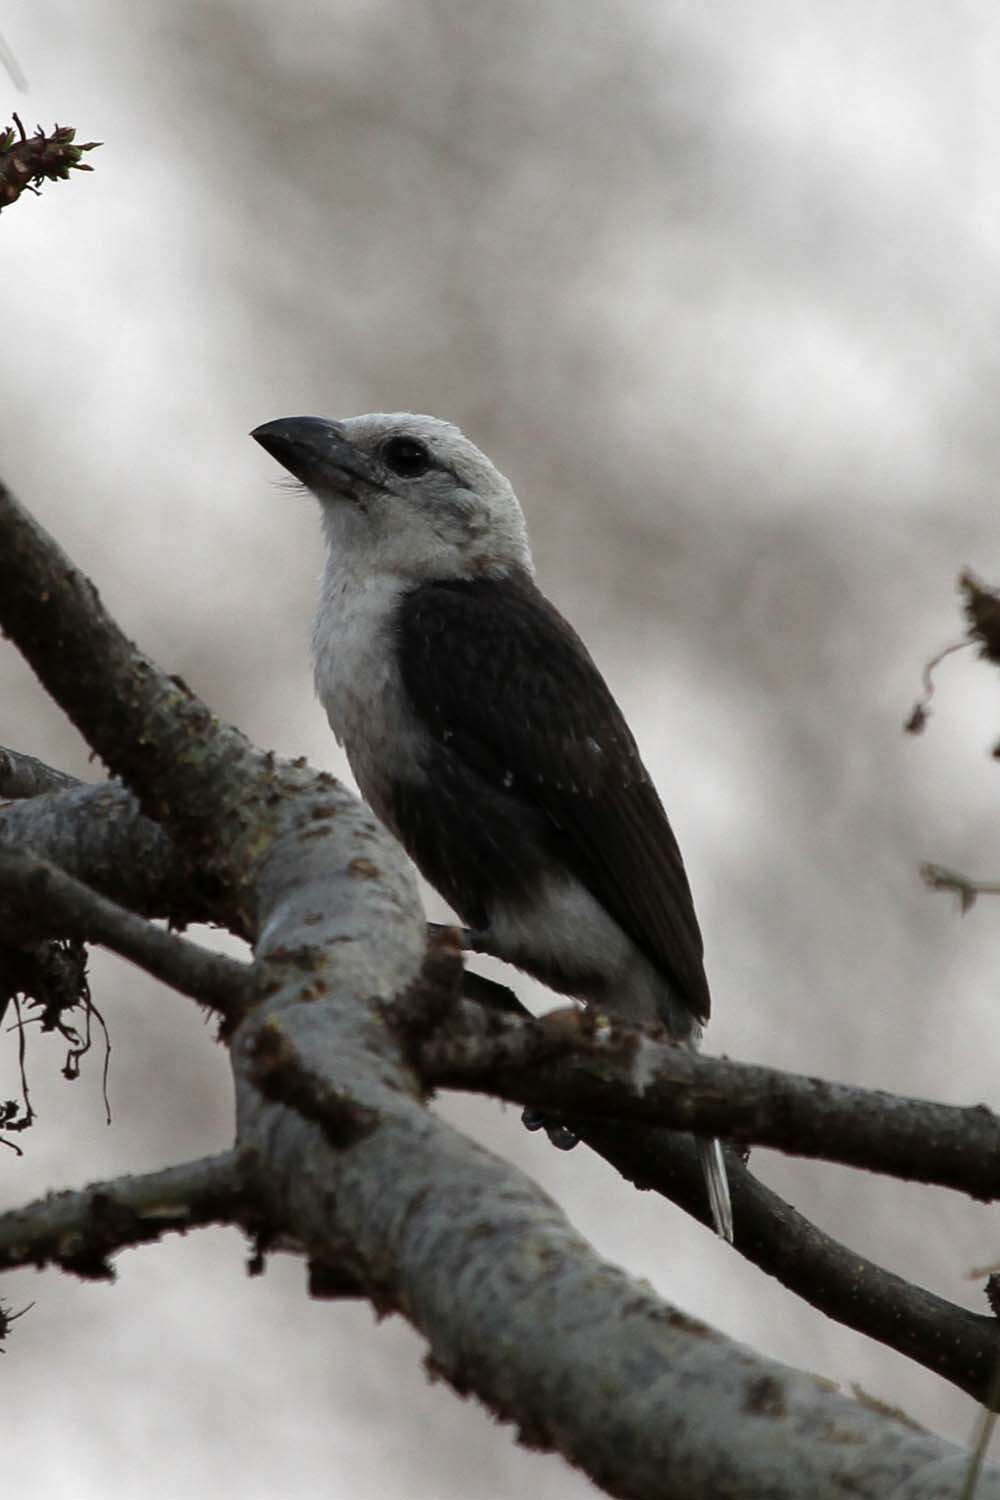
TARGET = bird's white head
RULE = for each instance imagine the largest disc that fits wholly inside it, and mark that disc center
(404, 495)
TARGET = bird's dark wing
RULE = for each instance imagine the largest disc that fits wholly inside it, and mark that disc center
(505, 684)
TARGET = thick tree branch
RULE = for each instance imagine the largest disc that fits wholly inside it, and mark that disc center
(79, 1231)
(98, 835)
(959, 1345)
(514, 1304)
(29, 885)
(147, 727)
(573, 1063)
(218, 798)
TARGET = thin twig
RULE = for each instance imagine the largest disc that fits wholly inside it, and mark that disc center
(921, 710)
(941, 879)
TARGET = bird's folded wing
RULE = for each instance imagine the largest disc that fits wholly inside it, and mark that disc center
(501, 679)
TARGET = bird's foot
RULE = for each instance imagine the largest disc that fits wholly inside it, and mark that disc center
(561, 1136)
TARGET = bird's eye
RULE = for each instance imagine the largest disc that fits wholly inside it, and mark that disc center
(406, 457)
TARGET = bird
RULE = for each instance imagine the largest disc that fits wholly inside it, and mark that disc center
(482, 734)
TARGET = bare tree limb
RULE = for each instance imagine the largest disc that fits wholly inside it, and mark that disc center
(515, 1305)
(98, 834)
(572, 1063)
(959, 1345)
(218, 798)
(953, 1342)
(78, 1231)
(29, 885)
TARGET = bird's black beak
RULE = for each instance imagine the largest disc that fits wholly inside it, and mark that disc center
(319, 453)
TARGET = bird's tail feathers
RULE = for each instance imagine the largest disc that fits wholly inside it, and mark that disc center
(717, 1184)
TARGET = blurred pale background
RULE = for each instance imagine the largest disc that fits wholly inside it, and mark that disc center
(719, 288)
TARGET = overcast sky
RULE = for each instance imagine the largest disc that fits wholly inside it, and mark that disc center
(717, 286)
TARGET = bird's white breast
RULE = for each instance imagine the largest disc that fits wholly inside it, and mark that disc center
(357, 678)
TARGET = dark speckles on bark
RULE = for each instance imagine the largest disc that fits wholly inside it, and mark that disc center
(765, 1397)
